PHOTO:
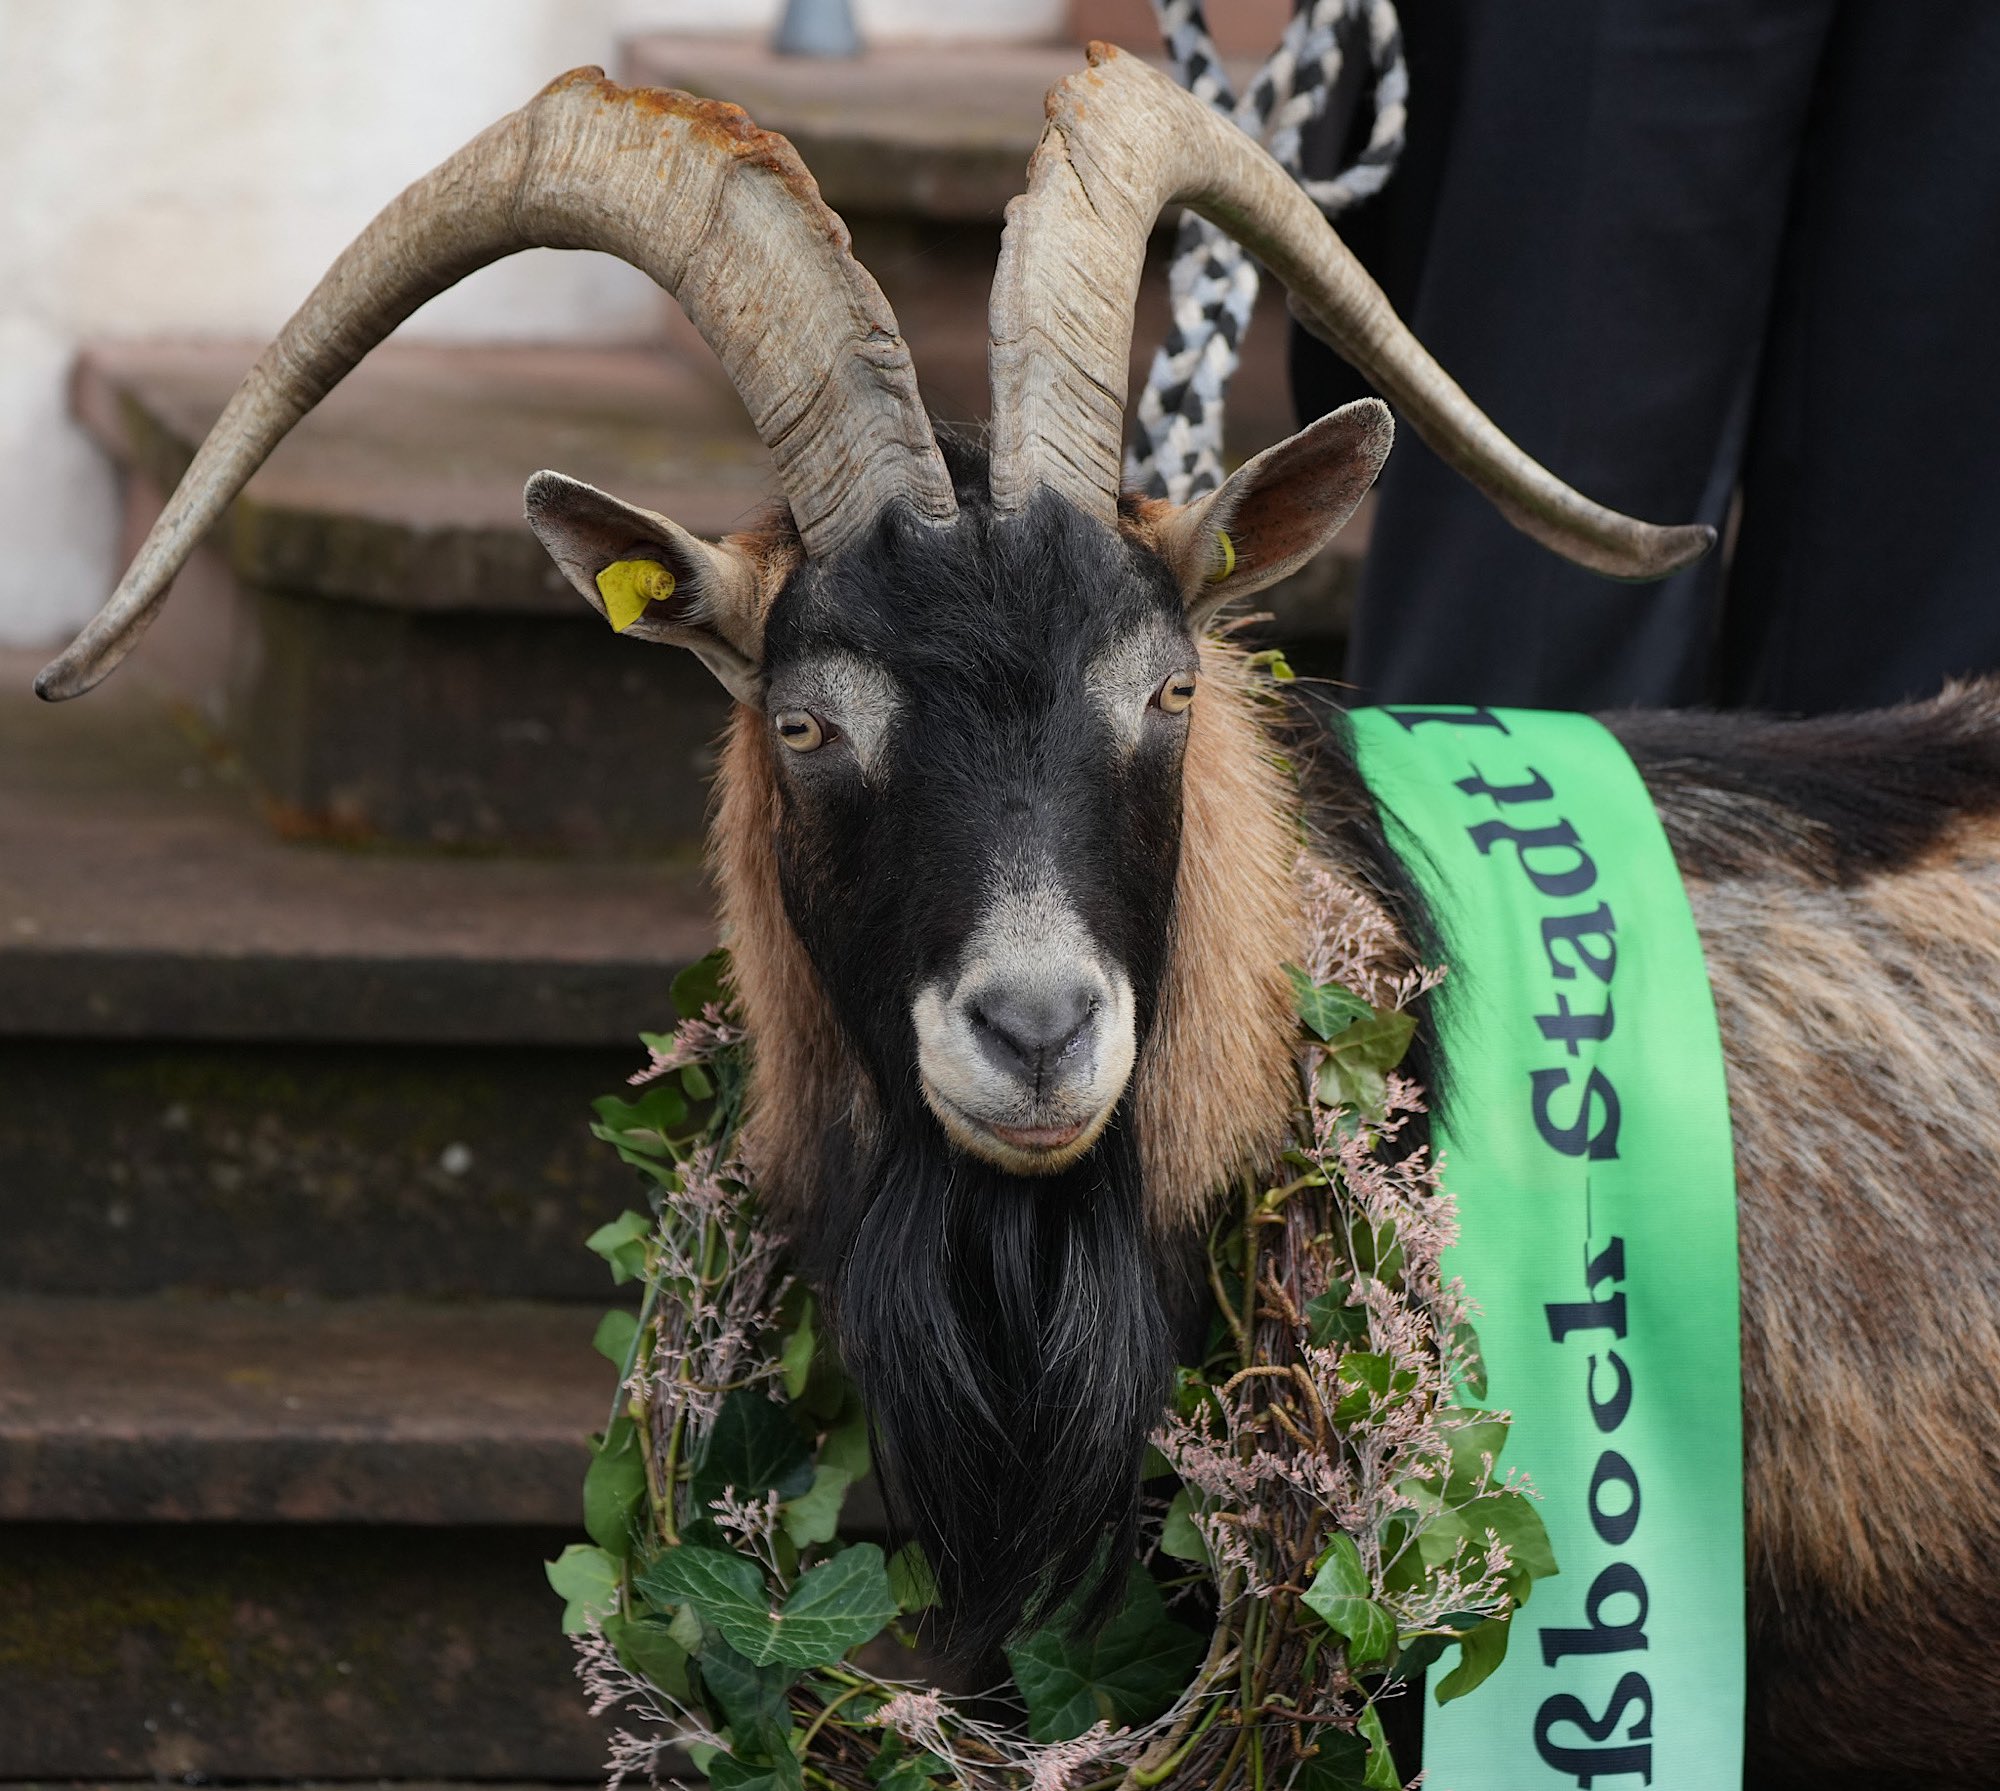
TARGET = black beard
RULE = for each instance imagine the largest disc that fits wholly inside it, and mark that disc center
(1010, 1337)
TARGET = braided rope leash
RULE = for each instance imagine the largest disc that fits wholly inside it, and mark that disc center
(1212, 283)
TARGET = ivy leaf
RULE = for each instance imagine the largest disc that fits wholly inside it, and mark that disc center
(1330, 1319)
(1128, 1673)
(586, 1579)
(1480, 1435)
(1341, 1764)
(646, 1646)
(700, 985)
(1480, 1651)
(710, 1579)
(1369, 1380)
(754, 1448)
(695, 1080)
(1381, 1774)
(1326, 1008)
(897, 1768)
(837, 1606)
(1513, 1519)
(686, 1628)
(1377, 1039)
(911, 1582)
(647, 1125)
(751, 1700)
(622, 1243)
(614, 1334)
(614, 1488)
(845, 1446)
(1179, 1537)
(1343, 1082)
(797, 1358)
(1340, 1596)
(781, 1773)
(814, 1516)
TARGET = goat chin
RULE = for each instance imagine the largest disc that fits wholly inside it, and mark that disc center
(1012, 1339)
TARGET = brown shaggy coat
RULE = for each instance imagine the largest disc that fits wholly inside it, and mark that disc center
(1857, 984)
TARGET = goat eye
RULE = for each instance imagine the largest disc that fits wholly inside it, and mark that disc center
(1176, 694)
(800, 729)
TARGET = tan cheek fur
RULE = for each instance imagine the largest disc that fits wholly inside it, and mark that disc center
(1216, 1080)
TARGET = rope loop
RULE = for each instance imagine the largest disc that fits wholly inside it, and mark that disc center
(1176, 451)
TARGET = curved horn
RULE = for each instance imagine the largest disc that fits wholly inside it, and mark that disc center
(1123, 142)
(721, 214)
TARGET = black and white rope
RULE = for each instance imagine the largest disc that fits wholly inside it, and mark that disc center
(1176, 452)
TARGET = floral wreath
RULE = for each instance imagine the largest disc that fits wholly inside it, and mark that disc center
(1336, 1522)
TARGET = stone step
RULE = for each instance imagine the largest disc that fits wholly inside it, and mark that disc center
(141, 897)
(375, 631)
(302, 1411)
(208, 1652)
(249, 1539)
(334, 1170)
(230, 1062)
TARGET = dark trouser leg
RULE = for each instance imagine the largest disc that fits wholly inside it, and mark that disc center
(1598, 278)
(1868, 569)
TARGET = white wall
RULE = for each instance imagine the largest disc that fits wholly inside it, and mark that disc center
(189, 167)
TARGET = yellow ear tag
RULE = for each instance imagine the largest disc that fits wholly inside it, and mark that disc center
(627, 586)
(1228, 547)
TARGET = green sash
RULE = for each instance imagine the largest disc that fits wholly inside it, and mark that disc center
(1586, 1135)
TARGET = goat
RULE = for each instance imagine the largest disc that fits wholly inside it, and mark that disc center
(1009, 873)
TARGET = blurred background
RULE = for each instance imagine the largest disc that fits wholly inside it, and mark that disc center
(322, 922)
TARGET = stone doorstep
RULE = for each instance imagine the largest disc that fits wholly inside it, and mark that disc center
(306, 1412)
(141, 895)
(935, 131)
(262, 1653)
(404, 485)
(330, 1171)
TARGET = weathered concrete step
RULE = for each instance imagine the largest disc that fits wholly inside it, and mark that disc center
(375, 630)
(142, 897)
(265, 1653)
(238, 1411)
(932, 131)
(140, 1168)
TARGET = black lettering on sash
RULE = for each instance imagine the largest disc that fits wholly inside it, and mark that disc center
(1566, 1028)
(1593, 1314)
(1479, 717)
(1577, 873)
(1536, 789)
(1577, 1139)
(1615, 1527)
(1586, 1764)
(1608, 1414)
(1576, 928)
(1620, 1579)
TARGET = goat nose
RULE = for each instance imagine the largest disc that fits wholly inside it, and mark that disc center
(1027, 1031)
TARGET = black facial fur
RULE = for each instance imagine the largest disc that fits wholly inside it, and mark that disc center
(1009, 1333)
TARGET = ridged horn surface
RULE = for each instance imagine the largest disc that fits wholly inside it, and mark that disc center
(1122, 142)
(721, 214)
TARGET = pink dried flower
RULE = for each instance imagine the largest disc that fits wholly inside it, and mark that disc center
(694, 1041)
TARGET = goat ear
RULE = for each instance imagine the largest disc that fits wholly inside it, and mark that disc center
(709, 601)
(1276, 511)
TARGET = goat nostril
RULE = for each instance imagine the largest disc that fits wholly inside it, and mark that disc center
(1026, 1030)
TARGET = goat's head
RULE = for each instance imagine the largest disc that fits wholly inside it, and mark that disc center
(1004, 861)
